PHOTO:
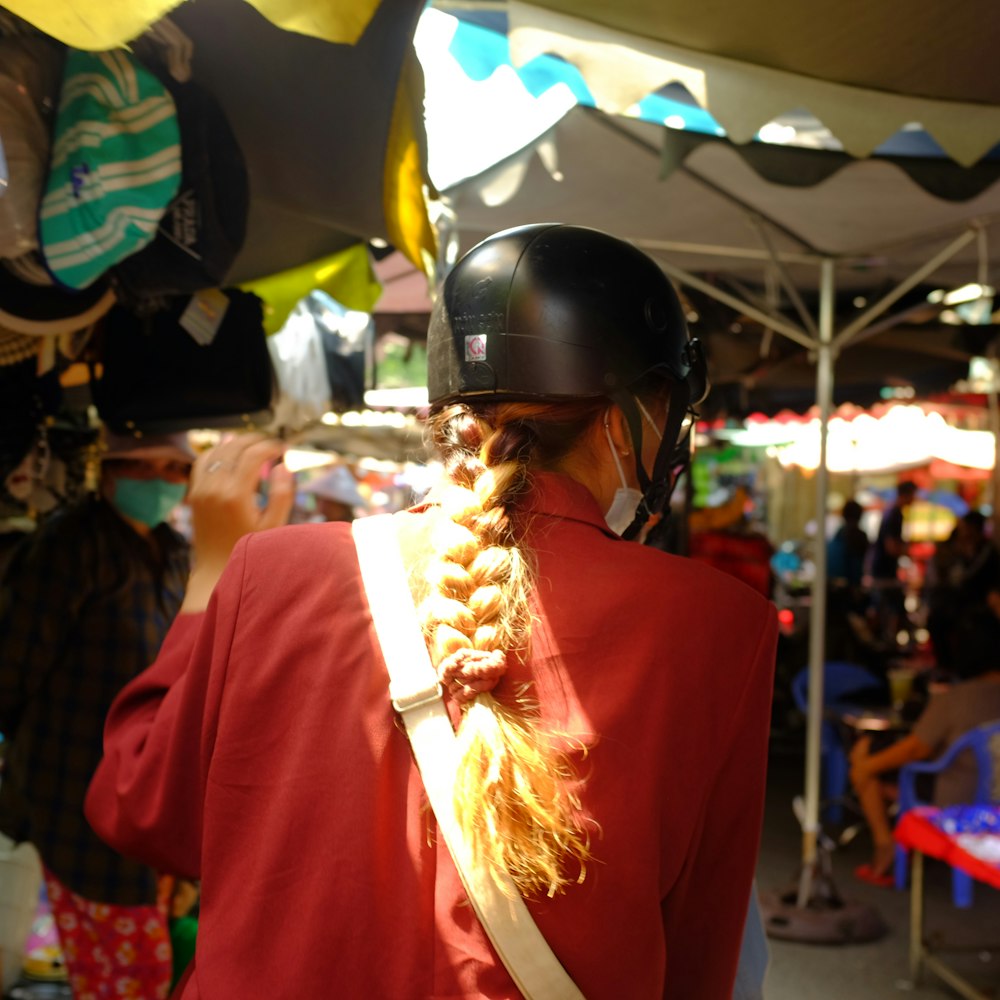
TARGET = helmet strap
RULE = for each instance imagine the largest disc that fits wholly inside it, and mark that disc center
(656, 489)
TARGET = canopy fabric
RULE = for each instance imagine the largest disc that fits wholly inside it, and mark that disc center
(865, 70)
(83, 24)
(716, 217)
(902, 437)
(519, 105)
(808, 167)
(346, 276)
(877, 223)
(329, 132)
(332, 133)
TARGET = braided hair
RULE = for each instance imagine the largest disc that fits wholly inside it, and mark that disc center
(515, 791)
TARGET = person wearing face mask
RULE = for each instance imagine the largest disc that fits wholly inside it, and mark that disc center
(85, 602)
(603, 707)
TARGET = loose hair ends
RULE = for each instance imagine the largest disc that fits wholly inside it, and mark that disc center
(516, 800)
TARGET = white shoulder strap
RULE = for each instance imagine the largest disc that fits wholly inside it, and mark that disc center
(417, 696)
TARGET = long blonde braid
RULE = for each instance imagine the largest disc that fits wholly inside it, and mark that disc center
(515, 792)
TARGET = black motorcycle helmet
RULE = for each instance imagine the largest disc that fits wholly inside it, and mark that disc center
(550, 312)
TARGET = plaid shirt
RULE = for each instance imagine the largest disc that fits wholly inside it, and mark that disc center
(84, 604)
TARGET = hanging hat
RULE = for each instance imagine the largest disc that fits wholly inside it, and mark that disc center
(136, 446)
(338, 484)
(31, 304)
(115, 165)
(203, 228)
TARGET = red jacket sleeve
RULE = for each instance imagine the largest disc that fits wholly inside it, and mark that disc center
(709, 901)
(146, 798)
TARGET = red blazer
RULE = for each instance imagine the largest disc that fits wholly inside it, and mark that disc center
(260, 753)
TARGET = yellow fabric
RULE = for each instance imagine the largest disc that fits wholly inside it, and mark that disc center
(343, 23)
(346, 276)
(405, 184)
(106, 24)
(95, 25)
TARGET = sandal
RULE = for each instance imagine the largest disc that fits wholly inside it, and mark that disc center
(866, 873)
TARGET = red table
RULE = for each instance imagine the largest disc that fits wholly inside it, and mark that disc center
(965, 837)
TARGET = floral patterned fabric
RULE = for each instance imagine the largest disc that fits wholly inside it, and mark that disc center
(966, 837)
(111, 951)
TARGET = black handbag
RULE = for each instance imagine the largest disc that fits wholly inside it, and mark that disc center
(177, 370)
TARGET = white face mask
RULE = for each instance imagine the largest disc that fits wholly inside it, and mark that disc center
(626, 500)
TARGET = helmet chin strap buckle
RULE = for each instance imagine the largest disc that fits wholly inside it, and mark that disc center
(654, 500)
(642, 515)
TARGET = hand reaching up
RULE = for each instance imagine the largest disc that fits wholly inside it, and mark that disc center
(223, 497)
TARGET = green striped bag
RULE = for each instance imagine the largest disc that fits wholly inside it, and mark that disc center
(115, 166)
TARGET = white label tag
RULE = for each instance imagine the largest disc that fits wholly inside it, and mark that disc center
(475, 347)
(204, 315)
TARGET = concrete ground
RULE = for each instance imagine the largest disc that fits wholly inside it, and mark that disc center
(878, 970)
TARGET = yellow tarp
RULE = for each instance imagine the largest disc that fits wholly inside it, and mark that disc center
(346, 276)
(405, 182)
(107, 24)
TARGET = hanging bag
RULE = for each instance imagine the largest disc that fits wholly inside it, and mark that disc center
(201, 362)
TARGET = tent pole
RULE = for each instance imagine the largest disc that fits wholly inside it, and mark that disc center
(775, 322)
(786, 278)
(719, 250)
(817, 611)
(904, 286)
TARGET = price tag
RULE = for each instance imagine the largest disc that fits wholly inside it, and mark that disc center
(204, 315)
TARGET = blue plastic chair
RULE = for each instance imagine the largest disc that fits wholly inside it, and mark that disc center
(841, 681)
(984, 742)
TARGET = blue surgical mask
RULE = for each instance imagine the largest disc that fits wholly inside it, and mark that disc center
(148, 501)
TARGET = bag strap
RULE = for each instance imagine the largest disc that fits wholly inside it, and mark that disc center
(417, 696)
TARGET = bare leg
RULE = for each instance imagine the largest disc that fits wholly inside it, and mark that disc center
(871, 798)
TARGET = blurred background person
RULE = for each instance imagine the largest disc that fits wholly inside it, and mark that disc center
(846, 555)
(887, 591)
(977, 568)
(847, 550)
(941, 598)
(966, 570)
(975, 699)
(85, 602)
(336, 495)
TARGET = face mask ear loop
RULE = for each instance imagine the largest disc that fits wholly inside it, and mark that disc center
(649, 419)
(626, 403)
